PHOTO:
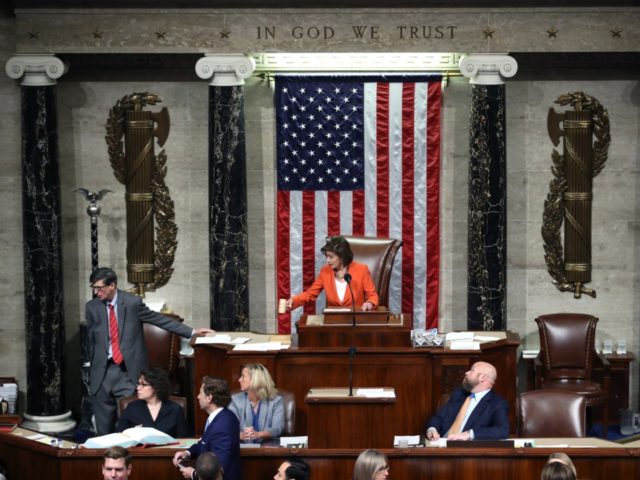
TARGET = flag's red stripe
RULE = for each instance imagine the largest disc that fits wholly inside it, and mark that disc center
(308, 244)
(333, 213)
(282, 258)
(408, 152)
(382, 148)
(357, 213)
(433, 202)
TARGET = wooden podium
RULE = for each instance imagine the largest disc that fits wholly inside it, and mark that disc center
(337, 420)
(335, 328)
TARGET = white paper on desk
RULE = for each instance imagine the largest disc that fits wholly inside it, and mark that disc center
(464, 345)
(261, 346)
(294, 441)
(37, 436)
(375, 393)
(410, 439)
(484, 338)
(459, 336)
(440, 443)
(214, 339)
(240, 340)
(337, 310)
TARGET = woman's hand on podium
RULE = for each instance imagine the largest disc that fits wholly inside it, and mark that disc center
(366, 306)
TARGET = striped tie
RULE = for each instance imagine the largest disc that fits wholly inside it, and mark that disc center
(113, 333)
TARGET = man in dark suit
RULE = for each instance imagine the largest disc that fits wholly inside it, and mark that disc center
(474, 411)
(116, 339)
(221, 433)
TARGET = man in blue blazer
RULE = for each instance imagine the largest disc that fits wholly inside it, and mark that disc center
(220, 433)
(485, 415)
(114, 374)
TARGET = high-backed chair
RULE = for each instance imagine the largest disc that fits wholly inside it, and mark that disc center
(378, 254)
(567, 356)
(162, 349)
(289, 402)
(125, 401)
(551, 413)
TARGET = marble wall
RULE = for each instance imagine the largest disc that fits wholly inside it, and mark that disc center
(84, 101)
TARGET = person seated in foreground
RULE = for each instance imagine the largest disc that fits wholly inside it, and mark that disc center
(220, 434)
(259, 408)
(562, 457)
(116, 464)
(208, 467)
(153, 407)
(557, 471)
(474, 411)
(293, 469)
(371, 465)
(334, 277)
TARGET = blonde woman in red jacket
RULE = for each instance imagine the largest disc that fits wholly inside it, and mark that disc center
(333, 278)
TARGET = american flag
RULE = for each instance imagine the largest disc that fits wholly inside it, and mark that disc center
(359, 155)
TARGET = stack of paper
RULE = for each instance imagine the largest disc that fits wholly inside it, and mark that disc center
(9, 392)
(530, 353)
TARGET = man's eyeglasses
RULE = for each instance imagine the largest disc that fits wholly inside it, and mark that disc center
(98, 287)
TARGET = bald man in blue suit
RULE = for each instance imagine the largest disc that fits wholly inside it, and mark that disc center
(487, 417)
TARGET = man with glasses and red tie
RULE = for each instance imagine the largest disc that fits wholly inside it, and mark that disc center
(474, 411)
(116, 339)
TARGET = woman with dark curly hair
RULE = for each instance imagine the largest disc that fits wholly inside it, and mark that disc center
(153, 407)
(334, 278)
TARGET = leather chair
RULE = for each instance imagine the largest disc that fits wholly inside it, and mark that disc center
(162, 350)
(551, 413)
(289, 402)
(378, 254)
(125, 401)
(567, 356)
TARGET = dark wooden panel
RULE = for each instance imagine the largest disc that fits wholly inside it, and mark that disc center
(29, 460)
(419, 376)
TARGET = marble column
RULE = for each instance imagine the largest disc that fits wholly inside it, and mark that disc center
(487, 216)
(228, 246)
(42, 242)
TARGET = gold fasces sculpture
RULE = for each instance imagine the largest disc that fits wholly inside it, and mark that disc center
(149, 263)
(571, 190)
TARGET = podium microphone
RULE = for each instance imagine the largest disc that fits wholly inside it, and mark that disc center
(347, 278)
(352, 354)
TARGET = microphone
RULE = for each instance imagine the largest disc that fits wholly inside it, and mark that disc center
(352, 354)
(347, 278)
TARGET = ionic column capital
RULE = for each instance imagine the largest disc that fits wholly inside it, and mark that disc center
(488, 68)
(225, 70)
(35, 70)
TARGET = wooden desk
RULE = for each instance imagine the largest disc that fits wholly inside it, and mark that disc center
(28, 460)
(337, 420)
(418, 375)
(376, 328)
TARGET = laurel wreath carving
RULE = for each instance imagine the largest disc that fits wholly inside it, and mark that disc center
(166, 230)
(553, 215)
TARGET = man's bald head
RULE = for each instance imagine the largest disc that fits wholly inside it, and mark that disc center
(482, 376)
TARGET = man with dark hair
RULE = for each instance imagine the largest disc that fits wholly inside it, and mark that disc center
(208, 467)
(221, 431)
(116, 464)
(118, 352)
(293, 469)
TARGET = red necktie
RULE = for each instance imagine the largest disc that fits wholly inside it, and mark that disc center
(113, 333)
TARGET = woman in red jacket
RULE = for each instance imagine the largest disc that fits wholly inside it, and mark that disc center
(335, 276)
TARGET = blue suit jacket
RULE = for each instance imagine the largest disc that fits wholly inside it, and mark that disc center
(489, 420)
(221, 437)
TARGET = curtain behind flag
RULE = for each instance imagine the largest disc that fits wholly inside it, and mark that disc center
(359, 155)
